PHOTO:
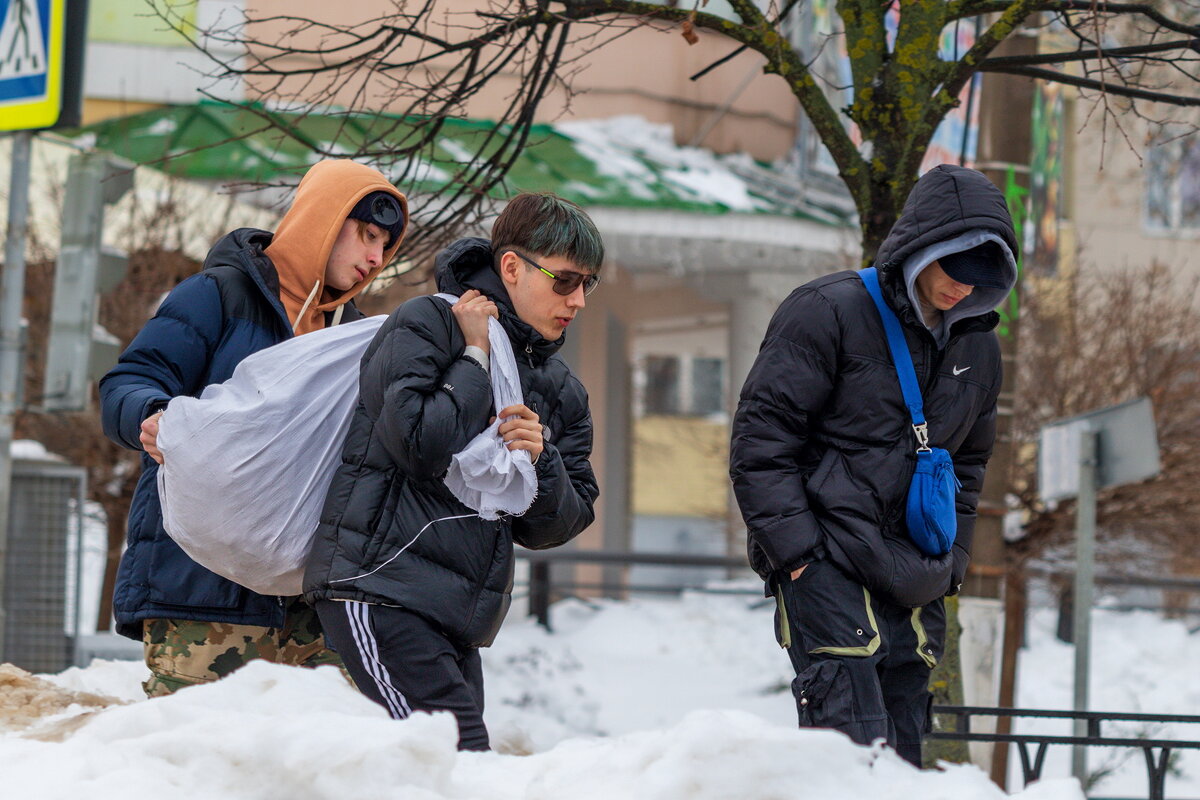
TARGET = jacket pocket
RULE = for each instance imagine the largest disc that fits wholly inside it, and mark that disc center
(825, 467)
(382, 523)
(824, 696)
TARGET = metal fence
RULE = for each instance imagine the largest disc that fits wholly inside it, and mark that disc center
(955, 723)
(546, 587)
(42, 566)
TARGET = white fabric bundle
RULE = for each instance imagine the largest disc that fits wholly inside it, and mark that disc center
(486, 475)
(247, 465)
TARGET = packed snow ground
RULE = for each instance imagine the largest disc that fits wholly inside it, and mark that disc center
(671, 700)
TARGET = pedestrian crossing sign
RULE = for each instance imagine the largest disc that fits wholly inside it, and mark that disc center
(39, 63)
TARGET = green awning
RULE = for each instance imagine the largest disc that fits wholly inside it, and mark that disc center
(622, 162)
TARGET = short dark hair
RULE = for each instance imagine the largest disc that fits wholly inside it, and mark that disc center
(544, 224)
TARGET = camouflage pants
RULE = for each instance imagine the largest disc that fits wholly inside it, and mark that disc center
(182, 652)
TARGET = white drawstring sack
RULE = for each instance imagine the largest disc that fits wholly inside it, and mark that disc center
(246, 465)
(486, 475)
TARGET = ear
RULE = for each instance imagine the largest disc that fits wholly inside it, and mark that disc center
(511, 266)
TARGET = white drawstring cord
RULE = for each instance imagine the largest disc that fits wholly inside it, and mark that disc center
(402, 549)
(337, 315)
(307, 303)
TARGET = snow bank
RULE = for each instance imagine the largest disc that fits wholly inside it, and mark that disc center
(270, 731)
(659, 699)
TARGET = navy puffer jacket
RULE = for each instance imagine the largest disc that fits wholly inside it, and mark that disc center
(822, 445)
(203, 329)
(391, 532)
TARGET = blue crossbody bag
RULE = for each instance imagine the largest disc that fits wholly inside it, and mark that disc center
(932, 521)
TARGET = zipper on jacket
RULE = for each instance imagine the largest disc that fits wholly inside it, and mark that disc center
(934, 360)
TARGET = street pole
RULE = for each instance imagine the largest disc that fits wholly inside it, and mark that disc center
(1085, 557)
(12, 293)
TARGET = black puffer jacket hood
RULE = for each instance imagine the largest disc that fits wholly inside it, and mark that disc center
(391, 532)
(823, 448)
(947, 203)
(468, 264)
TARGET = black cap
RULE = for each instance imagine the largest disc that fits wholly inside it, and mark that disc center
(382, 209)
(980, 266)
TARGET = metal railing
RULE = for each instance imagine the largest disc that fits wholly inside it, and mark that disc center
(1156, 751)
(542, 585)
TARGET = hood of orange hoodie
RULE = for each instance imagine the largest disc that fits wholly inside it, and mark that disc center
(300, 249)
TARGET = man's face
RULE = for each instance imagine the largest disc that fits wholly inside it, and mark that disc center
(533, 296)
(939, 290)
(357, 251)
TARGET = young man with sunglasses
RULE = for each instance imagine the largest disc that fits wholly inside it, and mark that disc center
(257, 289)
(408, 582)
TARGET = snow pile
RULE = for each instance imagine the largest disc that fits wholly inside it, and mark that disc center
(613, 667)
(271, 731)
(682, 699)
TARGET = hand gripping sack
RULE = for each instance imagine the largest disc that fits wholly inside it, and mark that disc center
(486, 475)
(246, 465)
(929, 510)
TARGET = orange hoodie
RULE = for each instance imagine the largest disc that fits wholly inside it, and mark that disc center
(300, 249)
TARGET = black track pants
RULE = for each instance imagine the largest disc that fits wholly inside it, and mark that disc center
(401, 661)
(862, 664)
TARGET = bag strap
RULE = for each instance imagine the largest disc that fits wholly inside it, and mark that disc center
(901, 358)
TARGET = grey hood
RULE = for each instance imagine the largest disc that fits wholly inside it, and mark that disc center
(981, 300)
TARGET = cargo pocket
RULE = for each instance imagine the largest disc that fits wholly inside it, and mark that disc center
(831, 614)
(824, 697)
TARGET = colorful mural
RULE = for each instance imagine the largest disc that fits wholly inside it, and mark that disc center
(1046, 177)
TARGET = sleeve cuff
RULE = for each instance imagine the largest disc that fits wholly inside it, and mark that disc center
(477, 355)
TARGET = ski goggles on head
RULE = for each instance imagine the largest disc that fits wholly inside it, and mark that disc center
(565, 282)
(384, 210)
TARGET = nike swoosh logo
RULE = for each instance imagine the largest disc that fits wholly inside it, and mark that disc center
(958, 371)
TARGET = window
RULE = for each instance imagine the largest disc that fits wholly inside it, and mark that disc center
(683, 385)
(1172, 193)
(662, 385)
(708, 396)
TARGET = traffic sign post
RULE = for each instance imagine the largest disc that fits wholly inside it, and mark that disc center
(12, 294)
(1077, 457)
(1085, 579)
(41, 63)
(41, 86)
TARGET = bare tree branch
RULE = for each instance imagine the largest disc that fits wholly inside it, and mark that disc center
(425, 69)
(1089, 54)
(1100, 86)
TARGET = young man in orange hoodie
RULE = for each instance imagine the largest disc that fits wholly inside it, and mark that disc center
(256, 290)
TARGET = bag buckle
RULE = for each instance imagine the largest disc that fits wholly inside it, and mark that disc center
(922, 431)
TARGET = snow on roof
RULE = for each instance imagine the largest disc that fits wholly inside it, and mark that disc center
(631, 148)
(624, 162)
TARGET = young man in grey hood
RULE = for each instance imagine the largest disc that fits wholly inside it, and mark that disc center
(823, 453)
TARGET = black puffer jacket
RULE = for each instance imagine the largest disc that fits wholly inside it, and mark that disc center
(391, 532)
(823, 448)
